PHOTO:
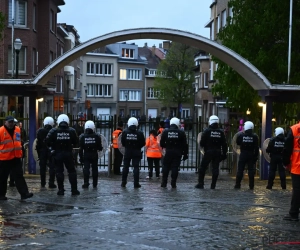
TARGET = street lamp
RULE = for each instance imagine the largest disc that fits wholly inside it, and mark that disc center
(68, 77)
(126, 98)
(194, 108)
(17, 47)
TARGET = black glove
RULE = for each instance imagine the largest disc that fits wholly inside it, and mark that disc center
(185, 157)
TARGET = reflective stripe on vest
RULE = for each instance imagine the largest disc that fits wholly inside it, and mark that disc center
(115, 136)
(153, 149)
(295, 157)
(10, 148)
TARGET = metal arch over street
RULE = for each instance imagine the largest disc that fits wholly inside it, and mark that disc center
(247, 70)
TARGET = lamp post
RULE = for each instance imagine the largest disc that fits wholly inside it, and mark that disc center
(126, 98)
(194, 108)
(68, 76)
(85, 99)
(17, 47)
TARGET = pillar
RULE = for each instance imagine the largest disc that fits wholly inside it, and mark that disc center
(32, 133)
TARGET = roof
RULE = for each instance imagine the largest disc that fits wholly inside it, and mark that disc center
(152, 59)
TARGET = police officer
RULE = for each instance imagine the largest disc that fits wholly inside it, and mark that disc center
(248, 142)
(215, 147)
(89, 144)
(62, 140)
(175, 143)
(275, 149)
(118, 156)
(133, 140)
(44, 153)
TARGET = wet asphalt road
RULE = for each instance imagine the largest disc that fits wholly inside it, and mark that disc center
(111, 217)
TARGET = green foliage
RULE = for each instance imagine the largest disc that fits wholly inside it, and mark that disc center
(259, 31)
(176, 75)
(2, 25)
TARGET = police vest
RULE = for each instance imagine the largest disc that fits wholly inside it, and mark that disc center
(63, 139)
(295, 157)
(10, 147)
(153, 149)
(115, 136)
(90, 142)
(247, 142)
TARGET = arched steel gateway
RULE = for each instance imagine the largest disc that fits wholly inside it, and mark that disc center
(249, 72)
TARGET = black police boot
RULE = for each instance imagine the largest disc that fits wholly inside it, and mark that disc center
(26, 196)
(51, 182)
(237, 183)
(251, 183)
(200, 184)
(95, 181)
(163, 184)
(269, 185)
(137, 185)
(61, 190)
(43, 180)
(123, 184)
(73, 182)
(214, 181)
(283, 183)
(86, 181)
(173, 184)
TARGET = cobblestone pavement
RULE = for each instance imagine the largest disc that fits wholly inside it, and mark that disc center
(111, 217)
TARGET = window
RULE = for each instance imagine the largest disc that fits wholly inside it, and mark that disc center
(130, 95)
(205, 80)
(34, 17)
(52, 21)
(128, 53)
(152, 72)
(20, 13)
(223, 18)
(59, 84)
(211, 70)
(185, 113)
(212, 35)
(102, 69)
(152, 93)
(22, 60)
(99, 90)
(51, 57)
(130, 74)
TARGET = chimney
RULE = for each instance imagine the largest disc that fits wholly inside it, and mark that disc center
(166, 45)
(160, 45)
(146, 45)
(153, 50)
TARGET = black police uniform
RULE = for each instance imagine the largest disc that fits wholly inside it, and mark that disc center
(213, 141)
(89, 144)
(133, 140)
(175, 143)
(248, 142)
(275, 149)
(62, 140)
(44, 155)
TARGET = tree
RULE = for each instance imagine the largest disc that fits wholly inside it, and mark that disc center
(175, 76)
(259, 31)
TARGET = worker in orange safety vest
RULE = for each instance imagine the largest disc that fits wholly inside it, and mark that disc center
(118, 156)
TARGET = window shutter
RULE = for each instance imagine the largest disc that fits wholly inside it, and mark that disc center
(20, 20)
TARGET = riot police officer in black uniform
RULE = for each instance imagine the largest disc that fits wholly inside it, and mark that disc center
(62, 140)
(44, 153)
(89, 144)
(275, 149)
(175, 143)
(215, 148)
(133, 140)
(248, 142)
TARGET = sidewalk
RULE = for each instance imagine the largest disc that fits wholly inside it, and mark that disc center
(111, 217)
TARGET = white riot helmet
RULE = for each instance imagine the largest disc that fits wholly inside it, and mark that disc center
(248, 125)
(175, 121)
(63, 118)
(279, 131)
(132, 121)
(213, 119)
(90, 125)
(48, 121)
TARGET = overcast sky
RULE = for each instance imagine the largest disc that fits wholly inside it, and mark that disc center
(92, 18)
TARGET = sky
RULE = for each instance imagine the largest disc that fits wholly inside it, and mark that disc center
(93, 18)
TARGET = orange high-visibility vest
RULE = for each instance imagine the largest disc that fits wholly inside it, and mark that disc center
(295, 157)
(115, 136)
(160, 130)
(10, 147)
(153, 148)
